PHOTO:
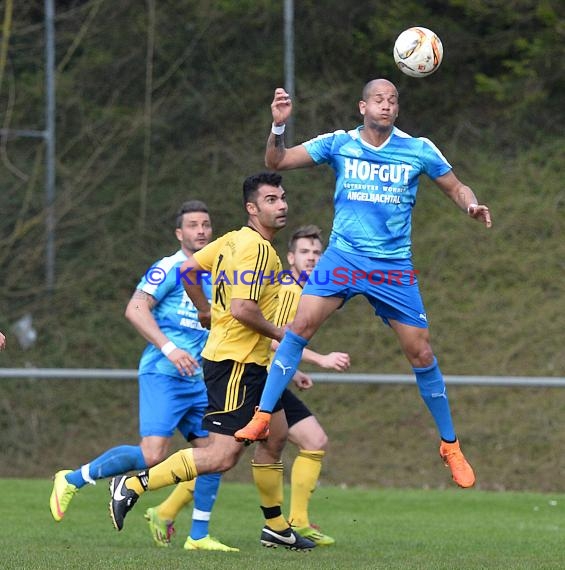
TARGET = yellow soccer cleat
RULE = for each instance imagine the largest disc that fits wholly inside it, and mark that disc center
(207, 543)
(161, 529)
(61, 495)
(453, 458)
(314, 534)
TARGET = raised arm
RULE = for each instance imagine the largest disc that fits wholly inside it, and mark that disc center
(464, 197)
(277, 156)
(339, 361)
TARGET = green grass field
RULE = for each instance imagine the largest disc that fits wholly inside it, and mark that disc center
(381, 528)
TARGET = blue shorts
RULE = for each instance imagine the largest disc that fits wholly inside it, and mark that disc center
(167, 403)
(390, 285)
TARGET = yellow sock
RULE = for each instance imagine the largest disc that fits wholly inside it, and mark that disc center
(180, 497)
(303, 480)
(268, 479)
(178, 467)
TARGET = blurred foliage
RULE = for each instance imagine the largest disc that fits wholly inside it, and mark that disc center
(200, 99)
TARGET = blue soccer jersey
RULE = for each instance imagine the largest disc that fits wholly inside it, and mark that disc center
(175, 314)
(375, 188)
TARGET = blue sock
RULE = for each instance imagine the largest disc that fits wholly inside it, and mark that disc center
(433, 392)
(115, 461)
(283, 367)
(205, 492)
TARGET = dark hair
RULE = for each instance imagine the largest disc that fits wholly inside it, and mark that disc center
(251, 184)
(309, 231)
(188, 207)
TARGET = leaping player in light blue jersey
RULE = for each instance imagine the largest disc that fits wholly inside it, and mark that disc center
(172, 392)
(377, 168)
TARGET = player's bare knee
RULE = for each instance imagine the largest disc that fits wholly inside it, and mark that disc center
(421, 355)
(225, 464)
(153, 457)
(314, 438)
(425, 357)
(320, 441)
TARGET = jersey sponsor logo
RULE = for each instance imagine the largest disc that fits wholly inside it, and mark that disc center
(365, 170)
(369, 197)
(356, 152)
(284, 368)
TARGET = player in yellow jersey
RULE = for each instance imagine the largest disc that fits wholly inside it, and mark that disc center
(304, 430)
(244, 271)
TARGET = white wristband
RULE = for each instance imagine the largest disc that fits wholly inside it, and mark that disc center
(278, 129)
(168, 347)
(471, 206)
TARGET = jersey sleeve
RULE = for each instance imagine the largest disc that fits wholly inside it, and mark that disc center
(435, 164)
(160, 279)
(320, 147)
(205, 257)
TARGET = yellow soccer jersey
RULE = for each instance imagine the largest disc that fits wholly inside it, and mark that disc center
(288, 301)
(243, 265)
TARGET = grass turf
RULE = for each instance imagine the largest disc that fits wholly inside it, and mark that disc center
(374, 529)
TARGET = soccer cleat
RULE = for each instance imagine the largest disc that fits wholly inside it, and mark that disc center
(61, 495)
(256, 430)
(314, 534)
(207, 543)
(122, 501)
(287, 538)
(161, 529)
(453, 458)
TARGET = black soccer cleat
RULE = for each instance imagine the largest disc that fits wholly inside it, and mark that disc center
(286, 538)
(122, 501)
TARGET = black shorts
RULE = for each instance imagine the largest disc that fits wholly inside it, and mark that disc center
(294, 408)
(234, 390)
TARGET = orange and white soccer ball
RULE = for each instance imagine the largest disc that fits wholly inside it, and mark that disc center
(418, 52)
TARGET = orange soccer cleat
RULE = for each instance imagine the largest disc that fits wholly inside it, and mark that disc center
(256, 430)
(453, 458)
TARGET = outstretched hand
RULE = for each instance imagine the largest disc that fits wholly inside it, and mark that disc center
(281, 107)
(339, 361)
(481, 213)
(184, 362)
(302, 381)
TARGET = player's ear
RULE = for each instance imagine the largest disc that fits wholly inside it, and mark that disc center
(251, 207)
(362, 106)
(290, 257)
(178, 234)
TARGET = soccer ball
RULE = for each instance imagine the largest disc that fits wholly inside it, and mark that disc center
(418, 52)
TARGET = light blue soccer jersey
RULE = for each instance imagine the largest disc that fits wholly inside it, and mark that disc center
(175, 314)
(375, 188)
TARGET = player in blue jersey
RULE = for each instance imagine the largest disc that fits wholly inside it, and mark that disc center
(172, 392)
(377, 168)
